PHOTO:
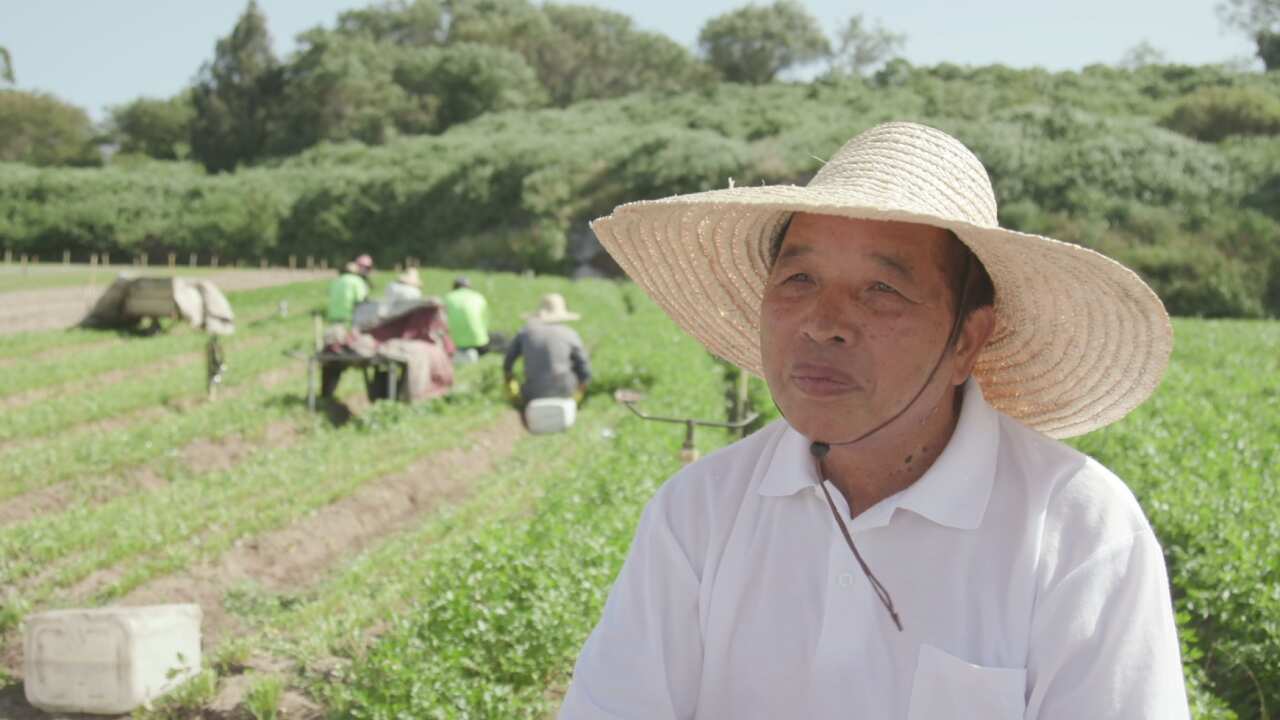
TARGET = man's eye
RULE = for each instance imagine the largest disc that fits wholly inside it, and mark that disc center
(798, 278)
(882, 287)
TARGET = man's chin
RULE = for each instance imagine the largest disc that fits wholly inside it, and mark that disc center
(820, 426)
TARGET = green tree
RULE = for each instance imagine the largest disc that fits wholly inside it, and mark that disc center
(516, 25)
(1260, 20)
(861, 46)
(157, 128)
(341, 87)
(40, 129)
(595, 53)
(754, 43)
(235, 96)
(6, 66)
(1142, 55)
(466, 80)
(1269, 48)
(418, 23)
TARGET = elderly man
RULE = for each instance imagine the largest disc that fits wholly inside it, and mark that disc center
(909, 541)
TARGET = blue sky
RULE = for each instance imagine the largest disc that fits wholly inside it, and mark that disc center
(95, 53)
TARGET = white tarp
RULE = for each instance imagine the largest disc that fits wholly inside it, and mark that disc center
(130, 299)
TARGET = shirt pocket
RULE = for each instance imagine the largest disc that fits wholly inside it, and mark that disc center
(947, 687)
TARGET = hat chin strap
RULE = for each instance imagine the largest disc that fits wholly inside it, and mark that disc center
(819, 449)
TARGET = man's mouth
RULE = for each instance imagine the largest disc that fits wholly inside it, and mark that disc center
(822, 380)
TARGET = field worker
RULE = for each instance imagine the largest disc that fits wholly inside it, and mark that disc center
(909, 541)
(468, 314)
(348, 289)
(556, 364)
(403, 293)
(364, 265)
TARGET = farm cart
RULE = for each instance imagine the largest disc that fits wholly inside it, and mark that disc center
(407, 357)
(143, 303)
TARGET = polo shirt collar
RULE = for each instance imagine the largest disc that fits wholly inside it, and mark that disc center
(954, 491)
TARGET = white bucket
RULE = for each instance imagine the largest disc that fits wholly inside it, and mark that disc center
(108, 661)
(550, 415)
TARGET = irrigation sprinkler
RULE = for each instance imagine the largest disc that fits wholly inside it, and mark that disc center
(688, 451)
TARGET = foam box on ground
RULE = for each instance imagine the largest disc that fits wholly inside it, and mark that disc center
(550, 415)
(108, 660)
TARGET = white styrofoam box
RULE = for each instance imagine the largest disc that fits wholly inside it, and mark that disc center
(108, 660)
(550, 415)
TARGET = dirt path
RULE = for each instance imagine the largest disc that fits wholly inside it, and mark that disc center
(51, 308)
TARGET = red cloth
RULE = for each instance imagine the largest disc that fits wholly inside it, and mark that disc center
(423, 323)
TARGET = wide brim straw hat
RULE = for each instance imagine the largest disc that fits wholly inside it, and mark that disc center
(1079, 341)
(552, 309)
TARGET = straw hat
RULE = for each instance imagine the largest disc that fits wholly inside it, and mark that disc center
(410, 277)
(552, 309)
(1079, 340)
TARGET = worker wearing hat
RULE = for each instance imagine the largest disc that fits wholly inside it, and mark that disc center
(911, 540)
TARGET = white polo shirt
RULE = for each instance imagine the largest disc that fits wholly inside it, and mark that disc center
(1027, 578)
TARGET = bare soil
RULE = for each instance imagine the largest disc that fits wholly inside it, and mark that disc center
(61, 307)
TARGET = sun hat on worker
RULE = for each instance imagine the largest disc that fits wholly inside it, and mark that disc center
(410, 277)
(1079, 341)
(552, 309)
(364, 261)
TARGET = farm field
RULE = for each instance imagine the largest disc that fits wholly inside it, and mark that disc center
(436, 561)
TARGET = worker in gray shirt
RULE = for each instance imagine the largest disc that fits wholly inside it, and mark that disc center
(555, 361)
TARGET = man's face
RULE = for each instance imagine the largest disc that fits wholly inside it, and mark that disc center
(855, 314)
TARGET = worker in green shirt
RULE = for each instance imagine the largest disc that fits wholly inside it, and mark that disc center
(348, 289)
(468, 315)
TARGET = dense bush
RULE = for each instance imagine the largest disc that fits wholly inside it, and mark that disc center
(1078, 156)
(1214, 113)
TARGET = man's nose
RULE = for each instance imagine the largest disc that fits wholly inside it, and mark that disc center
(828, 323)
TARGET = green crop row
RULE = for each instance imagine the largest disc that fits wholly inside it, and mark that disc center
(1203, 457)
(197, 516)
(499, 619)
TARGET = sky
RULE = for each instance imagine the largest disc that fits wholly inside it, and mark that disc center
(95, 54)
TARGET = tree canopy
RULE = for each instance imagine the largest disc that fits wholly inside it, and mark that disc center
(40, 129)
(6, 66)
(1260, 20)
(157, 128)
(756, 42)
(233, 96)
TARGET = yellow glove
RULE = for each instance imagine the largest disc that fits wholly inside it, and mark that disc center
(578, 394)
(513, 389)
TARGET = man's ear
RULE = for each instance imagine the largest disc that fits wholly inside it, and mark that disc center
(974, 334)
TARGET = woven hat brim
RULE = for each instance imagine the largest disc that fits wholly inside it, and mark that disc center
(1080, 340)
